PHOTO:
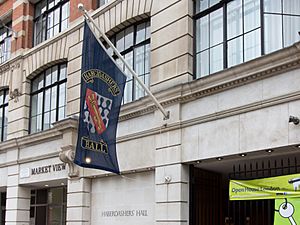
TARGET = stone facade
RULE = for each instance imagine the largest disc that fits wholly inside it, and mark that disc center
(244, 109)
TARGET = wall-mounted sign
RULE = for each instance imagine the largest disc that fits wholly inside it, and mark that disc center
(27, 172)
(125, 213)
(48, 169)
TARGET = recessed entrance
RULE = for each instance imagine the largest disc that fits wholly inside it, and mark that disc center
(209, 189)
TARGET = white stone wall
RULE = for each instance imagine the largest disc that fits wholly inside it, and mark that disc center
(127, 200)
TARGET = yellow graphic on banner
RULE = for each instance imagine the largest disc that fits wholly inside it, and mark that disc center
(267, 188)
(287, 211)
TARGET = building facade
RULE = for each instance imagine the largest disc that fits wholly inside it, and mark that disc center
(227, 71)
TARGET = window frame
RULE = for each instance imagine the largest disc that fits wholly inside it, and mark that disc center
(3, 106)
(45, 14)
(132, 49)
(57, 84)
(8, 32)
(222, 4)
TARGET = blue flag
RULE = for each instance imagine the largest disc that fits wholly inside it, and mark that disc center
(102, 86)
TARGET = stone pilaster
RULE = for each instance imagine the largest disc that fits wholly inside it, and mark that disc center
(17, 200)
(78, 203)
(172, 195)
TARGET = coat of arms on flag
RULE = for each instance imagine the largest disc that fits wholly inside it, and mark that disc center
(96, 111)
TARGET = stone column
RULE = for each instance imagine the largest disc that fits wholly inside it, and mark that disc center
(172, 195)
(17, 199)
(78, 203)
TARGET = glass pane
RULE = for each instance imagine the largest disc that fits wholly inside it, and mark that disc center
(55, 196)
(53, 97)
(40, 103)
(62, 95)
(64, 24)
(53, 117)
(55, 216)
(128, 92)
(55, 30)
(139, 91)
(203, 64)
(291, 7)
(148, 30)
(235, 51)
(56, 16)
(40, 8)
(291, 26)
(252, 45)
(120, 41)
(65, 11)
(39, 123)
(34, 104)
(234, 19)
(147, 58)
(47, 120)
(41, 196)
(5, 115)
(33, 124)
(140, 33)
(202, 34)
(61, 113)
(216, 27)
(139, 60)
(216, 59)
(48, 77)
(63, 72)
(50, 20)
(129, 59)
(272, 6)
(213, 2)
(201, 5)
(1, 113)
(273, 28)
(47, 100)
(38, 83)
(54, 74)
(128, 37)
(251, 14)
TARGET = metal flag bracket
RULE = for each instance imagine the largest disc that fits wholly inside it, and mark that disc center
(165, 113)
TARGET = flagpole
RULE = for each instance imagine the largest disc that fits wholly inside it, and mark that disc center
(160, 107)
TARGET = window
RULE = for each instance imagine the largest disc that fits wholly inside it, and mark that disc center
(102, 2)
(2, 207)
(5, 42)
(48, 206)
(3, 113)
(231, 32)
(48, 98)
(134, 44)
(51, 17)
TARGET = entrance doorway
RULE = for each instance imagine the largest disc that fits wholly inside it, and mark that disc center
(209, 192)
(48, 206)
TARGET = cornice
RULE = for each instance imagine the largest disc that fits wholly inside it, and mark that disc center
(54, 133)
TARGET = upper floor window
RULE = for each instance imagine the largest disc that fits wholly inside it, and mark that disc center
(51, 17)
(5, 42)
(134, 44)
(3, 114)
(48, 98)
(231, 32)
(102, 2)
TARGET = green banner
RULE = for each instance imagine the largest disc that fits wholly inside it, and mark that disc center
(267, 188)
(287, 211)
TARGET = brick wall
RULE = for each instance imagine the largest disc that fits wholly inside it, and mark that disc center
(22, 19)
(5, 7)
